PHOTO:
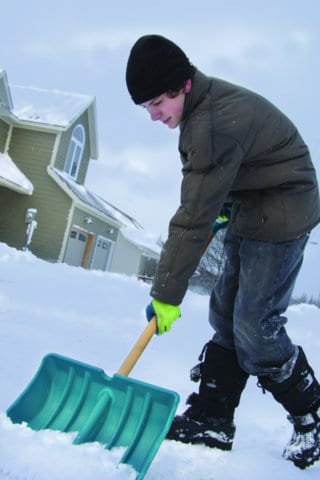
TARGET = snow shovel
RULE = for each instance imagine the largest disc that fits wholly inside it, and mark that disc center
(71, 396)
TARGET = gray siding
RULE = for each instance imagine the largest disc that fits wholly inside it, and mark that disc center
(31, 151)
(64, 145)
(126, 257)
(12, 212)
(4, 129)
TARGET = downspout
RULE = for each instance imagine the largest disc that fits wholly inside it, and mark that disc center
(8, 139)
(66, 234)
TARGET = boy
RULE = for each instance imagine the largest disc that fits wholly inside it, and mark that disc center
(237, 147)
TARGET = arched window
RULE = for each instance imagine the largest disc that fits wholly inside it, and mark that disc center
(75, 151)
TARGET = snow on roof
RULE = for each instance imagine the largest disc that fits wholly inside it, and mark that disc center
(94, 201)
(142, 239)
(11, 177)
(130, 228)
(53, 107)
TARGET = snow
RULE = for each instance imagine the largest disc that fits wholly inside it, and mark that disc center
(53, 107)
(96, 317)
(142, 239)
(12, 177)
(91, 199)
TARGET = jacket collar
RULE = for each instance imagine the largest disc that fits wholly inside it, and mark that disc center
(200, 87)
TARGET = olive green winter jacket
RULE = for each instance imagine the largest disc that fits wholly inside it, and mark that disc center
(236, 146)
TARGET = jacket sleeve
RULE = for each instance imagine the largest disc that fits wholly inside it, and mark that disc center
(210, 167)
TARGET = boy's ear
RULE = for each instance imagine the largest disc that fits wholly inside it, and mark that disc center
(188, 85)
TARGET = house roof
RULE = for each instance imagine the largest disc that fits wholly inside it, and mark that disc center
(43, 108)
(129, 227)
(82, 195)
(53, 107)
(145, 241)
(11, 177)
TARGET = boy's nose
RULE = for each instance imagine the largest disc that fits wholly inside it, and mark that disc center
(155, 115)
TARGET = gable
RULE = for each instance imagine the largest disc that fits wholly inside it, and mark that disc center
(60, 161)
(42, 109)
(55, 108)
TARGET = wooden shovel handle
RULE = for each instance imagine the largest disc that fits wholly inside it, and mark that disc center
(145, 337)
(138, 348)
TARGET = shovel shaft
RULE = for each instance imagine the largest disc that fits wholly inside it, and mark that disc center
(138, 348)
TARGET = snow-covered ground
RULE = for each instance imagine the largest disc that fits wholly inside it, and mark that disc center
(96, 317)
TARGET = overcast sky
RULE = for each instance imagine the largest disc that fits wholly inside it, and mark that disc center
(82, 46)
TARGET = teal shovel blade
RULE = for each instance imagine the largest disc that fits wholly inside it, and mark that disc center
(71, 396)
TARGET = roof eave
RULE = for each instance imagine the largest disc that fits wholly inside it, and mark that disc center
(84, 206)
(32, 125)
(15, 186)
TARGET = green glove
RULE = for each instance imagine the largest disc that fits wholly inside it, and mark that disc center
(165, 313)
(220, 223)
(223, 218)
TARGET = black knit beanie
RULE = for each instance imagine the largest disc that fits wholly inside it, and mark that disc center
(156, 66)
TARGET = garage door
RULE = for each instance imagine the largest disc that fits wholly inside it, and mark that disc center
(102, 254)
(76, 247)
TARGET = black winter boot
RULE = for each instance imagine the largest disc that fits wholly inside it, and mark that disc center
(304, 447)
(195, 426)
(209, 419)
(300, 396)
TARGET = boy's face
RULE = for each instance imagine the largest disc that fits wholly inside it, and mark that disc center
(168, 109)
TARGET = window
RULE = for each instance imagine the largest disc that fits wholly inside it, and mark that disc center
(75, 151)
(148, 267)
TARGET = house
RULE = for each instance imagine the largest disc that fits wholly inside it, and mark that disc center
(47, 139)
